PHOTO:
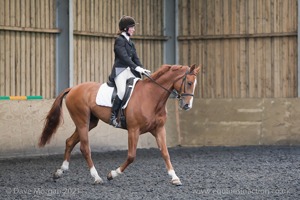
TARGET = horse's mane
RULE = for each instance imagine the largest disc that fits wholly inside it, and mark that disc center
(163, 69)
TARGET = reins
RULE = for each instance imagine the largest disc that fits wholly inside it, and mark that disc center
(178, 95)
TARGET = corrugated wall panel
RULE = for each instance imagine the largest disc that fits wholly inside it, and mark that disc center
(27, 55)
(248, 48)
(95, 29)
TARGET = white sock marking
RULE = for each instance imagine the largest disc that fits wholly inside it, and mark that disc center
(65, 166)
(115, 173)
(173, 174)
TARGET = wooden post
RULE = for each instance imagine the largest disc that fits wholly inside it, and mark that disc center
(170, 52)
(62, 46)
(298, 48)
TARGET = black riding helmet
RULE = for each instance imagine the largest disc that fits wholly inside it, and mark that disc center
(126, 22)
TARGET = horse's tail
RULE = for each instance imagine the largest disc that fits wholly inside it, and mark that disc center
(53, 119)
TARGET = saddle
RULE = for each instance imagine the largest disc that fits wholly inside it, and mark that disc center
(107, 93)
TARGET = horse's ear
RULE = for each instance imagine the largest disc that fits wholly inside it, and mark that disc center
(195, 70)
(192, 68)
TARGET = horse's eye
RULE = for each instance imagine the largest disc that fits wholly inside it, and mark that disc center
(190, 83)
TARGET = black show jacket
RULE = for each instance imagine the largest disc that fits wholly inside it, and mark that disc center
(125, 56)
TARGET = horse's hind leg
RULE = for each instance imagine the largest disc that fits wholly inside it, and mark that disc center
(86, 152)
(70, 144)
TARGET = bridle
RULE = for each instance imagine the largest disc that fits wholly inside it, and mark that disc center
(174, 92)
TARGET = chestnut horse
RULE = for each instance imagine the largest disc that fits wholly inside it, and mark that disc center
(145, 112)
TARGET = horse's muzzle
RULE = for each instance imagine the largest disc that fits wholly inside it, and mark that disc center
(183, 105)
(186, 107)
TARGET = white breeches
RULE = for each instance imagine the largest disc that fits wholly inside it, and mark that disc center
(120, 81)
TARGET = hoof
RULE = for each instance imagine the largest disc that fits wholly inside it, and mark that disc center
(109, 176)
(58, 174)
(98, 181)
(176, 182)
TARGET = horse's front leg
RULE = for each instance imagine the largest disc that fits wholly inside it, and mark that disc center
(133, 137)
(160, 135)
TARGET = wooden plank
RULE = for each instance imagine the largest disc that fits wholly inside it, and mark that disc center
(210, 28)
(268, 68)
(205, 70)
(211, 69)
(83, 16)
(76, 58)
(96, 60)
(236, 48)
(252, 49)
(113, 35)
(2, 61)
(104, 41)
(226, 49)
(27, 78)
(79, 62)
(78, 16)
(266, 28)
(92, 43)
(292, 49)
(243, 44)
(38, 55)
(31, 46)
(201, 76)
(12, 18)
(47, 68)
(227, 28)
(83, 67)
(87, 49)
(27, 64)
(43, 66)
(6, 13)
(101, 44)
(227, 63)
(277, 76)
(277, 50)
(11, 46)
(284, 48)
(219, 67)
(238, 36)
(7, 62)
(52, 63)
(2, 12)
(22, 64)
(17, 13)
(292, 66)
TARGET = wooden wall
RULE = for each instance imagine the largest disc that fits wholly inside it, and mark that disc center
(248, 47)
(27, 47)
(95, 28)
(28, 34)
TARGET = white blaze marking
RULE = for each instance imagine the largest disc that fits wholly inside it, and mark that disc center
(192, 99)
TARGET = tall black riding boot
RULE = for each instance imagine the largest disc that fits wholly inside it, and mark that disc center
(114, 112)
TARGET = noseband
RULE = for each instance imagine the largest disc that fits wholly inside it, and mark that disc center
(183, 84)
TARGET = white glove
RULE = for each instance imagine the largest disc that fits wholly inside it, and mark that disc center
(142, 70)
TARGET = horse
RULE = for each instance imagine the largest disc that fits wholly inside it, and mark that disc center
(145, 112)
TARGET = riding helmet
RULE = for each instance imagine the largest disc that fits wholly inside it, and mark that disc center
(126, 22)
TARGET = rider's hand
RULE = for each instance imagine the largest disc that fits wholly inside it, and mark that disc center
(142, 70)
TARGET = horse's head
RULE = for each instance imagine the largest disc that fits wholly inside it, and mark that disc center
(185, 87)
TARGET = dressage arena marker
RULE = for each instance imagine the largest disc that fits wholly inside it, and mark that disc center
(20, 97)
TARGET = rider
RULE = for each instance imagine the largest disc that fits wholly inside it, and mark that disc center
(126, 64)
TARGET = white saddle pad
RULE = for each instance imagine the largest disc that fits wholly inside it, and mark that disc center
(104, 94)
